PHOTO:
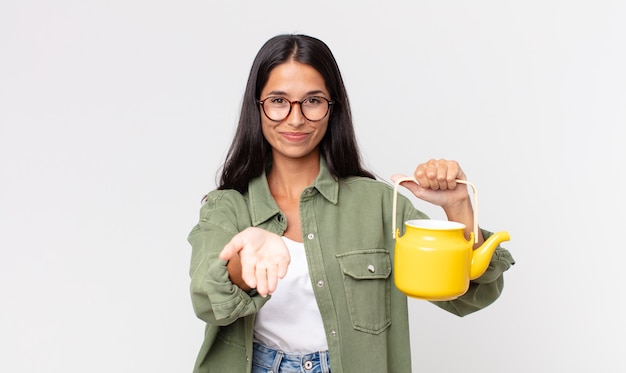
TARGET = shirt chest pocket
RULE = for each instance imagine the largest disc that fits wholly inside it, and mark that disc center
(366, 281)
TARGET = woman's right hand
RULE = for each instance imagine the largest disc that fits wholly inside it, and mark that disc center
(263, 258)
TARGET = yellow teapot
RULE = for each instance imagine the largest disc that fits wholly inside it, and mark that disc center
(433, 260)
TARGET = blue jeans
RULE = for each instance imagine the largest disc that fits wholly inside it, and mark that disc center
(266, 360)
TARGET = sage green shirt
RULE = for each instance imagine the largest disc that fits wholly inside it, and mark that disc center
(346, 229)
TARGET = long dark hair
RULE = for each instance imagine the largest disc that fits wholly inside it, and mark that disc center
(249, 152)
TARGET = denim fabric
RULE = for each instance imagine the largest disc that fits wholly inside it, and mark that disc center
(267, 360)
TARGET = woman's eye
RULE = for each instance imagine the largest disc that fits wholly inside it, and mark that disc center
(277, 100)
(313, 100)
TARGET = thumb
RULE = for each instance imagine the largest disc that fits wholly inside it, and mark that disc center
(231, 248)
(396, 177)
(409, 184)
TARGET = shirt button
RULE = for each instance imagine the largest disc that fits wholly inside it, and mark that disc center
(320, 283)
(371, 268)
(310, 236)
(333, 332)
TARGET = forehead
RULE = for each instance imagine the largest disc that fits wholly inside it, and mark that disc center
(294, 78)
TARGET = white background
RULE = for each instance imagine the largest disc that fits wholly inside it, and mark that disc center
(115, 116)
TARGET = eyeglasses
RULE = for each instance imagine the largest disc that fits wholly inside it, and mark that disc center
(313, 108)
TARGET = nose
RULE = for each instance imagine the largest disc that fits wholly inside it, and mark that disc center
(295, 117)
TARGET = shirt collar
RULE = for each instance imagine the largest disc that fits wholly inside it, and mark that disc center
(263, 206)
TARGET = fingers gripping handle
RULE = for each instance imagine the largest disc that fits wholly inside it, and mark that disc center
(395, 201)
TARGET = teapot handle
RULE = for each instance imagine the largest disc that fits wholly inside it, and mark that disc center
(395, 200)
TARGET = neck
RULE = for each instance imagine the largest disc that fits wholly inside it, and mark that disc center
(289, 177)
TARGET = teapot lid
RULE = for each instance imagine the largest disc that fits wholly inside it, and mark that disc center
(435, 224)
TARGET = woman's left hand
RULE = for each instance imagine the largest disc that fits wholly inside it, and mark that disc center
(436, 183)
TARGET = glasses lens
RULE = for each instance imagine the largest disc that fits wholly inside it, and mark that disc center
(276, 108)
(314, 108)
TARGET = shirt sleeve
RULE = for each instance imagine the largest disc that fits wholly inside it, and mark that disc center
(485, 289)
(214, 297)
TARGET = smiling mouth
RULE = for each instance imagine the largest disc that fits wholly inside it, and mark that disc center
(295, 136)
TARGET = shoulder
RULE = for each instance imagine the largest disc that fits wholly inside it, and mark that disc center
(221, 196)
(374, 191)
(367, 189)
(371, 187)
(366, 182)
(223, 207)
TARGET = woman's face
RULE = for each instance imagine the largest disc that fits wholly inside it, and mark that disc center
(294, 137)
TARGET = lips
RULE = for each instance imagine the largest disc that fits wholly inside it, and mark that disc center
(294, 136)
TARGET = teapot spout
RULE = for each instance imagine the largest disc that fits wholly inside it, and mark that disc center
(482, 255)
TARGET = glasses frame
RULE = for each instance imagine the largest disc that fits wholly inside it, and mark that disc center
(291, 103)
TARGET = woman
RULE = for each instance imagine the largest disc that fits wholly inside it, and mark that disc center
(292, 258)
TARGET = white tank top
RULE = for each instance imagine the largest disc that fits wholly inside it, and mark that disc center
(290, 320)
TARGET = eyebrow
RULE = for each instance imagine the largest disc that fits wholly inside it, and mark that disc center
(318, 92)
